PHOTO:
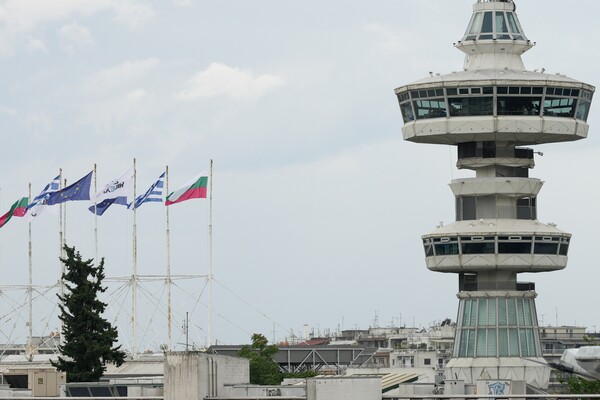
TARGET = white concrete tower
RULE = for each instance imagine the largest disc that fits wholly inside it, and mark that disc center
(490, 110)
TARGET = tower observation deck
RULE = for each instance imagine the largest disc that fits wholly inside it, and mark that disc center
(492, 110)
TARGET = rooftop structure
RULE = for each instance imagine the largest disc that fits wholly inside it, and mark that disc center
(490, 110)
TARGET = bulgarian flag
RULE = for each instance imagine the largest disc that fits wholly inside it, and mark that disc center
(194, 189)
(18, 209)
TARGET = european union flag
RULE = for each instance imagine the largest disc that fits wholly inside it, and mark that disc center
(80, 190)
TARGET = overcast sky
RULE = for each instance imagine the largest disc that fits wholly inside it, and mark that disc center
(319, 204)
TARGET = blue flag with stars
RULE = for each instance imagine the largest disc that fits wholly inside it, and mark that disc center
(80, 190)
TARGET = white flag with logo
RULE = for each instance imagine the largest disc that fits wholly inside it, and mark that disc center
(117, 191)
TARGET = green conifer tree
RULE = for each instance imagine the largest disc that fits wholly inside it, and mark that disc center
(88, 338)
(263, 369)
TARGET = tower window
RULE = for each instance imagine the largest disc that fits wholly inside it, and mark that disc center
(564, 249)
(475, 26)
(514, 247)
(481, 101)
(446, 249)
(519, 105)
(468, 106)
(511, 334)
(559, 107)
(512, 22)
(501, 26)
(526, 208)
(479, 248)
(407, 112)
(583, 110)
(428, 245)
(433, 108)
(487, 23)
(545, 248)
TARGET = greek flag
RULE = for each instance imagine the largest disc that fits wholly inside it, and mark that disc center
(153, 194)
(40, 203)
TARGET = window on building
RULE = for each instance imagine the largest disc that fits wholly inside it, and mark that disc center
(504, 328)
(518, 105)
(480, 101)
(407, 112)
(431, 108)
(428, 245)
(559, 107)
(471, 106)
(488, 247)
(583, 109)
(564, 247)
(514, 245)
(446, 246)
(526, 208)
(512, 20)
(545, 248)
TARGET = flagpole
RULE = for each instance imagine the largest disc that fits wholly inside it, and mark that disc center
(210, 276)
(61, 286)
(95, 219)
(168, 237)
(65, 225)
(30, 293)
(61, 237)
(134, 277)
(0, 203)
(60, 223)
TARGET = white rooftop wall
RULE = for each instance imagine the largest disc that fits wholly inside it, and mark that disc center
(195, 375)
(343, 389)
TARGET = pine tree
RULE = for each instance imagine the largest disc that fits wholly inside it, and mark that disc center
(88, 338)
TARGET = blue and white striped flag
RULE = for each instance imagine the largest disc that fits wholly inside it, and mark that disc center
(154, 194)
(39, 203)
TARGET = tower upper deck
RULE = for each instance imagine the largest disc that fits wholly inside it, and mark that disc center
(494, 97)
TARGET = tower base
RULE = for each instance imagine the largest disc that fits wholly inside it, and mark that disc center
(533, 370)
